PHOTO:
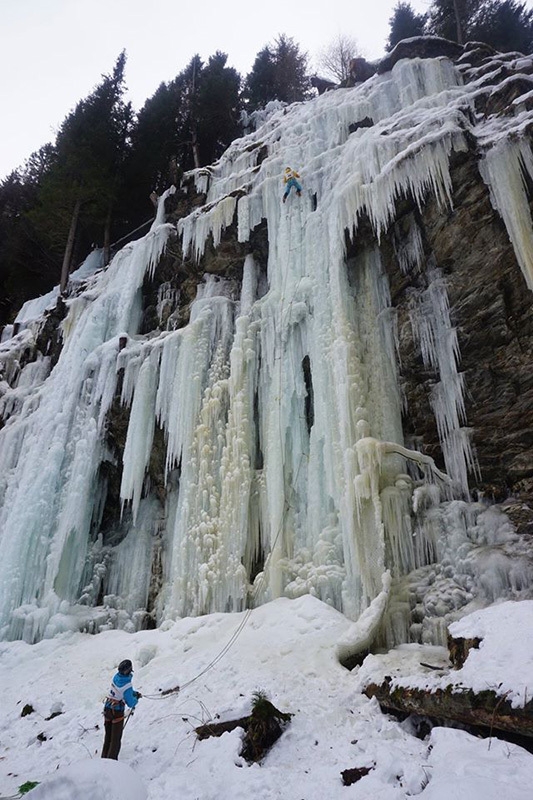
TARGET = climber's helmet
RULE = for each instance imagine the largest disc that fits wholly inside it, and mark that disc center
(125, 667)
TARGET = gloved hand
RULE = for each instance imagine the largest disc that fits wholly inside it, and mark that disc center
(138, 695)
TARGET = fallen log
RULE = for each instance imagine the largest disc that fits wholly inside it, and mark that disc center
(262, 728)
(218, 728)
(480, 709)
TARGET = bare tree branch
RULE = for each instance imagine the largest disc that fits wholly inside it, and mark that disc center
(334, 59)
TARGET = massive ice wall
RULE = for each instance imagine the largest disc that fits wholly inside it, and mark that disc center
(279, 402)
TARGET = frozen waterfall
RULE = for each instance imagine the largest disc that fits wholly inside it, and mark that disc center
(279, 403)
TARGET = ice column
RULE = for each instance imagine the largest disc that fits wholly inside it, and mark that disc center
(140, 433)
(503, 168)
(198, 571)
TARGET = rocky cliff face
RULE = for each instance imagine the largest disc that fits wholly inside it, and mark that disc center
(492, 312)
(490, 302)
(329, 396)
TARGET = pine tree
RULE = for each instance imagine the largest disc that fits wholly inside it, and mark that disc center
(260, 85)
(208, 111)
(187, 123)
(404, 24)
(189, 80)
(152, 162)
(84, 181)
(218, 108)
(506, 26)
(27, 268)
(292, 81)
(450, 18)
(279, 72)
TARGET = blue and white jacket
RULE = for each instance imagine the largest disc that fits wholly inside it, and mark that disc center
(121, 692)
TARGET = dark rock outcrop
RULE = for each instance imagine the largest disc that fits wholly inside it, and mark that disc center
(419, 47)
(475, 54)
(321, 84)
(360, 70)
(492, 311)
(49, 340)
(366, 122)
(353, 775)
(459, 648)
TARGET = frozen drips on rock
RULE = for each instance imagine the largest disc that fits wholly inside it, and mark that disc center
(51, 451)
(437, 338)
(160, 215)
(274, 417)
(478, 559)
(506, 167)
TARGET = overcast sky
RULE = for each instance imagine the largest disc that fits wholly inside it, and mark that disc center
(53, 52)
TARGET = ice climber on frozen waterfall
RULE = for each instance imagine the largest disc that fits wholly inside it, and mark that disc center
(120, 694)
(290, 179)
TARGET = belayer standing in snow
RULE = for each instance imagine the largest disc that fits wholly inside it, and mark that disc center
(290, 179)
(121, 694)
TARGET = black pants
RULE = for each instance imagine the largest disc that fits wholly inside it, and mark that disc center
(114, 725)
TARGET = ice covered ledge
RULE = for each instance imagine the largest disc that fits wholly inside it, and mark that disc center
(489, 689)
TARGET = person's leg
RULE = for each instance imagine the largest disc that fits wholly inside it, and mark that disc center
(116, 737)
(107, 738)
(290, 184)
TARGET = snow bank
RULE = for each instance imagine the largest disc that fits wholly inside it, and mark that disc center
(92, 780)
(284, 648)
(503, 663)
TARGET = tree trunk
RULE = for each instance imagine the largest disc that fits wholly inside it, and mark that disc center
(67, 257)
(107, 236)
(482, 709)
(194, 122)
(195, 148)
(458, 25)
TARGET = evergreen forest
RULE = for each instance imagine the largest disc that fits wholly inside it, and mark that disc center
(92, 185)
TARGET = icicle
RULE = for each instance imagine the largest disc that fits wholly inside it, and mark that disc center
(503, 169)
(160, 213)
(140, 435)
(360, 636)
(249, 285)
(278, 402)
(127, 580)
(204, 222)
(408, 246)
(432, 328)
(55, 445)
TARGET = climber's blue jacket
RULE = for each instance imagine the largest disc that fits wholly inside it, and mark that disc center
(121, 692)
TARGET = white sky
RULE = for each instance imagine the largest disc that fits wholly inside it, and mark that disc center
(53, 52)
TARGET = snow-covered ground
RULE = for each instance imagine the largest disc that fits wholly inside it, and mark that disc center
(285, 648)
